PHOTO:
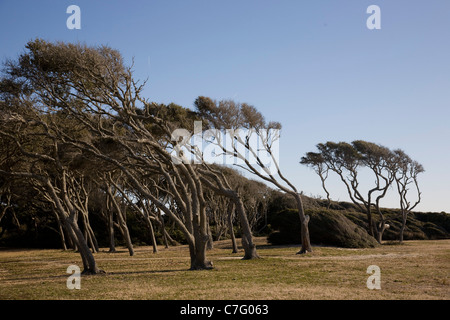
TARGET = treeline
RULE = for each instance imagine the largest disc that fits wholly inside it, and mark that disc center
(78, 140)
(30, 224)
(28, 220)
(344, 224)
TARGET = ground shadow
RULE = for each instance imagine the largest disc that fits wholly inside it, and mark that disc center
(145, 272)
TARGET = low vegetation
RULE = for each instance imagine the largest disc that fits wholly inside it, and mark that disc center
(414, 270)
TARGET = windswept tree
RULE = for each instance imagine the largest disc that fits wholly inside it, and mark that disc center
(217, 181)
(43, 164)
(318, 164)
(92, 87)
(252, 142)
(347, 161)
(405, 172)
(379, 160)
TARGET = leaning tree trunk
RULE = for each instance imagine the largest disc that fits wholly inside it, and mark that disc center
(70, 236)
(152, 233)
(304, 220)
(370, 226)
(163, 229)
(122, 223)
(89, 263)
(112, 243)
(379, 233)
(247, 238)
(230, 223)
(210, 243)
(110, 220)
(402, 228)
(89, 233)
(381, 227)
(61, 232)
(125, 233)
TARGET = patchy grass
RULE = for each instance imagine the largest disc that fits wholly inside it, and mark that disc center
(415, 270)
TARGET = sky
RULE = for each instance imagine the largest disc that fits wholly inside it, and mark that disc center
(313, 66)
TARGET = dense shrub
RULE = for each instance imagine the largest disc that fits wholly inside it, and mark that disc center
(326, 227)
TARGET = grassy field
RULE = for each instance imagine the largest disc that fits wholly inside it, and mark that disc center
(415, 270)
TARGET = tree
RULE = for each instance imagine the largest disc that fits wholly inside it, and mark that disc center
(93, 88)
(347, 160)
(405, 172)
(317, 162)
(42, 166)
(216, 181)
(244, 124)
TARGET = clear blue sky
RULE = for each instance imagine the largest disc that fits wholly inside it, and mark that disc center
(311, 65)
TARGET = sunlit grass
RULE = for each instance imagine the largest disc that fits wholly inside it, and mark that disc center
(416, 270)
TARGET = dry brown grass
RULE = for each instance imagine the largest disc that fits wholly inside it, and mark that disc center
(415, 270)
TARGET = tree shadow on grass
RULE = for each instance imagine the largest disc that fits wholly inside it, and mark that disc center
(114, 273)
(265, 246)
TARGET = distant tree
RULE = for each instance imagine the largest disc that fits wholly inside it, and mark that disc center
(379, 160)
(405, 172)
(347, 160)
(317, 162)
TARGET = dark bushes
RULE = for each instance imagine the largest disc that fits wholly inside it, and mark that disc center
(326, 227)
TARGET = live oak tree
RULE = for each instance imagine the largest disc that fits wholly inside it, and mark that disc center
(318, 164)
(43, 166)
(244, 123)
(379, 160)
(347, 160)
(405, 172)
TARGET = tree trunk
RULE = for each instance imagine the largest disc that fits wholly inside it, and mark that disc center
(125, 233)
(370, 226)
(122, 223)
(380, 234)
(89, 233)
(210, 243)
(379, 230)
(247, 238)
(152, 233)
(93, 238)
(402, 228)
(304, 220)
(7, 206)
(61, 232)
(71, 237)
(89, 263)
(112, 244)
(163, 229)
(230, 223)
(198, 253)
